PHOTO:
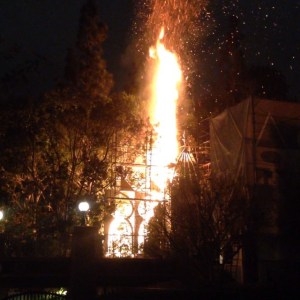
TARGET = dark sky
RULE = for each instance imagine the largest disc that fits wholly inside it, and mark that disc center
(42, 30)
(271, 33)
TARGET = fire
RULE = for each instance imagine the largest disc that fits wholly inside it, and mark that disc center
(165, 93)
(127, 230)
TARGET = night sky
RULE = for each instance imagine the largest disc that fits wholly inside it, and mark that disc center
(36, 35)
(271, 35)
(32, 30)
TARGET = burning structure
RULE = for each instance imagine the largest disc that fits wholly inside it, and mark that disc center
(136, 199)
(135, 202)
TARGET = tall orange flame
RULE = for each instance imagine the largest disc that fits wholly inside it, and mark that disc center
(165, 93)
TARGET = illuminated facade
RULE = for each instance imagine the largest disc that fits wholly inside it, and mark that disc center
(134, 196)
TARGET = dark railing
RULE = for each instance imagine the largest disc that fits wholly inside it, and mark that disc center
(36, 296)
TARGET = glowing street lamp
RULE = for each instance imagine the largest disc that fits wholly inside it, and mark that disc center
(1, 214)
(83, 207)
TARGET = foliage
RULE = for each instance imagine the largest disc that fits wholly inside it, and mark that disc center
(204, 222)
(59, 149)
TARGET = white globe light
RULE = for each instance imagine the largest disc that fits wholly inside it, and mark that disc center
(1, 215)
(83, 206)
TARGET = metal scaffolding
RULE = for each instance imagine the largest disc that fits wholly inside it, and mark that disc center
(131, 193)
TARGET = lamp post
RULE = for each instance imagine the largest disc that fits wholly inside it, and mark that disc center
(83, 207)
(1, 220)
(83, 258)
(2, 234)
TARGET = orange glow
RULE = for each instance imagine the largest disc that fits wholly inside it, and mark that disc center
(165, 93)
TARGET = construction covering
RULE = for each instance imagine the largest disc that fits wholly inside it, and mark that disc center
(255, 134)
(228, 136)
(258, 140)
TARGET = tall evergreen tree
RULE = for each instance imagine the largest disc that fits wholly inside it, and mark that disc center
(87, 73)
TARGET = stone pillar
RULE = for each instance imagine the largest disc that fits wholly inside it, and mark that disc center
(2, 244)
(84, 256)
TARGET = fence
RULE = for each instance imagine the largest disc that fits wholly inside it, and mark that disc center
(36, 296)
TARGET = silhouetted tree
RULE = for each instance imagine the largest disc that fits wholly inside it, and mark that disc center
(57, 151)
(267, 82)
(202, 227)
